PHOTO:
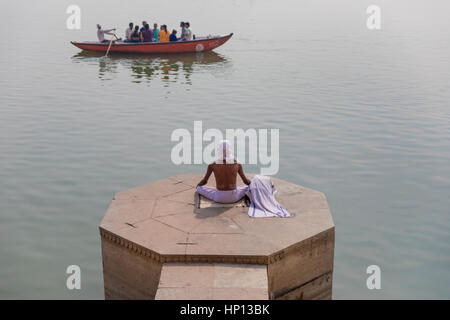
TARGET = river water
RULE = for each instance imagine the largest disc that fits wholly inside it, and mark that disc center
(363, 117)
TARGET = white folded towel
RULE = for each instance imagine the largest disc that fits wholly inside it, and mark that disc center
(262, 195)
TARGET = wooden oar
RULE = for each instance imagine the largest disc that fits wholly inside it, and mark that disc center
(109, 47)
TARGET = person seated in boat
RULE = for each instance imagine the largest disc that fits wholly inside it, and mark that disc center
(155, 32)
(144, 23)
(128, 32)
(173, 36)
(136, 35)
(225, 170)
(188, 31)
(101, 33)
(147, 34)
(183, 31)
(164, 35)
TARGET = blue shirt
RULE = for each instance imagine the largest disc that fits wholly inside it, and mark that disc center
(173, 37)
(156, 35)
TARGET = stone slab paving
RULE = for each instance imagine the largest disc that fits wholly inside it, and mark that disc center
(161, 221)
(218, 281)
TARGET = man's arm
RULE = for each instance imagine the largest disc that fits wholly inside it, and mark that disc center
(242, 175)
(207, 175)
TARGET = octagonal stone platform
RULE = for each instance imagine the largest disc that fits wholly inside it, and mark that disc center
(148, 229)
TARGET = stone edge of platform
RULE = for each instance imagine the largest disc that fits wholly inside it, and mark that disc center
(162, 258)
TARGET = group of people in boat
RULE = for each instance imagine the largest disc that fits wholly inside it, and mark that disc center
(145, 33)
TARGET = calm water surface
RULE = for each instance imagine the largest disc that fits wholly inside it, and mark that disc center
(363, 116)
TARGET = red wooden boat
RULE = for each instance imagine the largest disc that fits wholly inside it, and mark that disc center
(198, 45)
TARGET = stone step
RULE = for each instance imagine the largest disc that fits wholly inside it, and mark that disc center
(217, 281)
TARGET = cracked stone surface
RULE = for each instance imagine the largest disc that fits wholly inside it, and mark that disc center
(163, 217)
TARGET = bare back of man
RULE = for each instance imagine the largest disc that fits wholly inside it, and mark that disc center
(225, 174)
(225, 170)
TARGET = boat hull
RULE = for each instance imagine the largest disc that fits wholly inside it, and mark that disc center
(198, 45)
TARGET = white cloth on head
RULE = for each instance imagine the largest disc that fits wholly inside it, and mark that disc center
(223, 196)
(262, 196)
(224, 152)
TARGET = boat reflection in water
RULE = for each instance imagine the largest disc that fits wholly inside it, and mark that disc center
(167, 68)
